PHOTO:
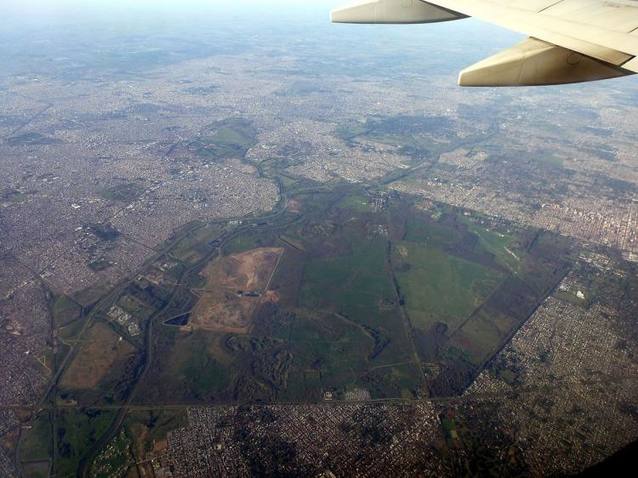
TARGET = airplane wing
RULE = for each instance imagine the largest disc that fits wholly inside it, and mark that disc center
(569, 41)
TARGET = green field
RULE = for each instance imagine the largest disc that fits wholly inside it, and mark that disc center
(186, 368)
(500, 243)
(77, 431)
(230, 138)
(356, 286)
(198, 369)
(124, 192)
(353, 285)
(197, 245)
(37, 440)
(335, 349)
(481, 335)
(439, 287)
(431, 232)
(417, 135)
(247, 241)
(65, 310)
(392, 381)
(90, 295)
(356, 202)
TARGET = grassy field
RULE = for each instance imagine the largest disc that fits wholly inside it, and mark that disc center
(242, 243)
(124, 192)
(65, 310)
(353, 285)
(438, 287)
(90, 295)
(102, 353)
(416, 134)
(335, 349)
(231, 138)
(196, 245)
(36, 470)
(481, 336)
(392, 381)
(356, 202)
(198, 369)
(77, 432)
(187, 367)
(35, 444)
(358, 286)
(501, 244)
(424, 230)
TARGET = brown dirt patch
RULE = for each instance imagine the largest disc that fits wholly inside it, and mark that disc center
(235, 285)
(101, 350)
(272, 296)
(294, 206)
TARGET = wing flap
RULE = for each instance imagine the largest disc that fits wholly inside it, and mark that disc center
(393, 11)
(570, 40)
(609, 15)
(535, 62)
(586, 34)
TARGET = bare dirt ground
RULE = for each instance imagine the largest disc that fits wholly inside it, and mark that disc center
(294, 205)
(236, 284)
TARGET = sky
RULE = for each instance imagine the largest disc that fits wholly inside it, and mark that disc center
(19, 14)
(40, 7)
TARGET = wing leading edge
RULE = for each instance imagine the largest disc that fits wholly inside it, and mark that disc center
(569, 41)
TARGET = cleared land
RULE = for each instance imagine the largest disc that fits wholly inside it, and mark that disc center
(235, 285)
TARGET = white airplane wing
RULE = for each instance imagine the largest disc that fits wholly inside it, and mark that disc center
(569, 40)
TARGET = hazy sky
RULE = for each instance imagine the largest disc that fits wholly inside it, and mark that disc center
(31, 7)
(19, 13)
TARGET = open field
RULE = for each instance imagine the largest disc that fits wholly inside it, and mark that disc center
(440, 288)
(77, 431)
(101, 351)
(418, 136)
(65, 310)
(188, 367)
(354, 284)
(37, 440)
(197, 245)
(226, 139)
(500, 243)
